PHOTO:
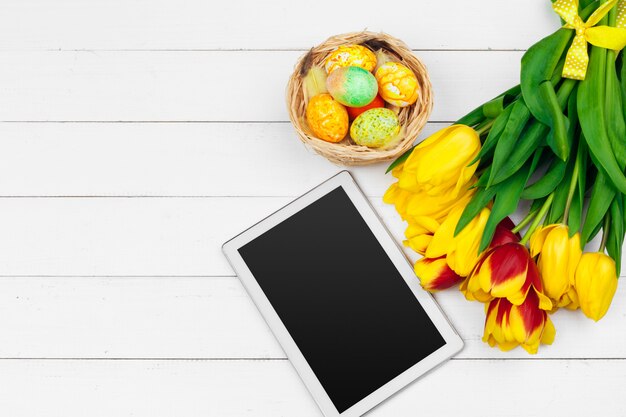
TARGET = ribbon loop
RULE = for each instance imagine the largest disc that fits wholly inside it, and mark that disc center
(577, 58)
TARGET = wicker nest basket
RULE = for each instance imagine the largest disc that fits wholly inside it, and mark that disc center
(346, 152)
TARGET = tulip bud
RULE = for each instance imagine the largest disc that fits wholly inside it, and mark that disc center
(558, 257)
(508, 326)
(435, 274)
(503, 234)
(441, 163)
(596, 282)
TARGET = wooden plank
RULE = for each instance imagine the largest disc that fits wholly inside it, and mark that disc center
(249, 24)
(213, 318)
(135, 236)
(167, 159)
(272, 388)
(207, 86)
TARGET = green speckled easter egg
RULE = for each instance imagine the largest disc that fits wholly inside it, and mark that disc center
(375, 128)
(352, 86)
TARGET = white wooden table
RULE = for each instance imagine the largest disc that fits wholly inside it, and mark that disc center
(137, 136)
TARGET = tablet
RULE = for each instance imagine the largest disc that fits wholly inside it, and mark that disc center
(341, 298)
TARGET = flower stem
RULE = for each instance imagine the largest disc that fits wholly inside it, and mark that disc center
(572, 189)
(485, 127)
(605, 232)
(542, 212)
(524, 221)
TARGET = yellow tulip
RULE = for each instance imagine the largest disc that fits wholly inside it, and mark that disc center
(596, 282)
(432, 182)
(461, 250)
(441, 163)
(558, 257)
(424, 213)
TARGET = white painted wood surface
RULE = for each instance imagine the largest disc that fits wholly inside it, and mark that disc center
(137, 136)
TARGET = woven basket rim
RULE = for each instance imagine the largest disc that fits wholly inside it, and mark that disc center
(412, 118)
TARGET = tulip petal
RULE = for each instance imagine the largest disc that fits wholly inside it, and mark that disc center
(507, 265)
(443, 240)
(549, 332)
(421, 225)
(465, 255)
(538, 238)
(503, 235)
(435, 274)
(419, 243)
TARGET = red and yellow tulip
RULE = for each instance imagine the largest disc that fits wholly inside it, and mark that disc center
(596, 283)
(435, 274)
(506, 271)
(527, 325)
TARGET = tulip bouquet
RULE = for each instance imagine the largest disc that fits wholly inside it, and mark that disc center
(554, 140)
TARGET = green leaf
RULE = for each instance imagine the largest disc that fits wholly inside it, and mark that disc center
(615, 239)
(592, 115)
(477, 203)
(575, 214)
(560, 196)
(602, 195)
(505, 203)
(546, 184)
(493, 108)
(484, 178)
(538, 67)
(532, 137)
(537, 204)
(623, 81)
(508, 139)
(494, 134)
(557, 138)
(616, 128)
(576, 207)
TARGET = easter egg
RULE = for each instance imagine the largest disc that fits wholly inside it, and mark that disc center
(327, 118)
(352, 86)
(375, 128)
(350, 56)
(397, 84)
(354, 112)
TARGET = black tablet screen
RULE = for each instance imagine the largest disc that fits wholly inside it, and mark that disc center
(341, 298)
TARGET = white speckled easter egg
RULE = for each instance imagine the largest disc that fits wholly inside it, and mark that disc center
(375, 128)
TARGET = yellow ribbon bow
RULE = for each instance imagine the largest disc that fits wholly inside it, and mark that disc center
(607, 37)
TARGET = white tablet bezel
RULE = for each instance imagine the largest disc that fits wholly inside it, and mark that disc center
(453, 343)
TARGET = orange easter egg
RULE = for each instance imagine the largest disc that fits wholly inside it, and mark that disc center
(397, 84)
(354, 112)
(327, 118)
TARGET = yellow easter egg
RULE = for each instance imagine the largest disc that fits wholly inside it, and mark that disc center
(350, 56)
(327, 118)
(397, 84)
(375, 128)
